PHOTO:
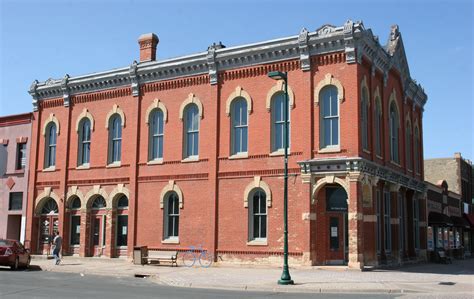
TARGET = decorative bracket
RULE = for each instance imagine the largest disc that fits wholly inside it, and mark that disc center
(65, 90)
(305, 62)
(34, 94)
(211, 61)
(134, 78)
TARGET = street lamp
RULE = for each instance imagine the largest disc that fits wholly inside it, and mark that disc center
(285, 276)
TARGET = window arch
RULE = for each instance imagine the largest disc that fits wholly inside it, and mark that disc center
(364, 114)
(278, 122)
(99, 203)
(191, 131)
(75, 203)
(417, 150)
(122, 202)
(394, 126)
(257, 218)
(84, 143)
(378, 121)
(115, 138)
(50, 207)
(50, 145)
(156, 134)
(408, 143)
(171, 216)
(239, 123)
(329, 117)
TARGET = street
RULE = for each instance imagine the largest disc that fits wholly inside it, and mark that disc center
(40, 284)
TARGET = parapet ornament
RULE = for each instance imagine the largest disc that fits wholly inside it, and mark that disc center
(34, 94)
(65, 90)
(305, 62)
(211, 63)
(134, 78)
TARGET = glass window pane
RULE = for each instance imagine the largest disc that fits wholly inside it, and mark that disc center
(326, 103)
(263, 230)
(327, 132)
(335, 131)
(334, 110)
(244, 139)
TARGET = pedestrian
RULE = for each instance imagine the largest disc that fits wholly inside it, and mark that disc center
(57, 243)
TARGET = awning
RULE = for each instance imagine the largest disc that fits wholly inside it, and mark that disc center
(435, 218)
(470, 219)
(460, 222)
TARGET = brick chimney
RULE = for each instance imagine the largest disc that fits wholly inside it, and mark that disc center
(148, 44)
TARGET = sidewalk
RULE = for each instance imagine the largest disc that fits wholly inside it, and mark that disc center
(426, 278)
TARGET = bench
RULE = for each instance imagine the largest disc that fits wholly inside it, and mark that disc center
(442, 256)
(158, 256)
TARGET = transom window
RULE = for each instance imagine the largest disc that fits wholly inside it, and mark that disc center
(122, 202)
(50, 151)
(156, 134)
(329, 128)
(84, 142)
(49, 207)
(191, 133)
(76, 203)
(239, 119)
(278, 122)
(394, 126)
(99, 203)
(257, 215)
(115, 138)
(171, 216)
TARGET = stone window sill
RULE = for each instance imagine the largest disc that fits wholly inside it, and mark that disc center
(395, 163)
(257, 243)
(83, 166)
(280, 152)
(15, 172)
(114, 165)
(366, 151)
(170, 241)
(190, 159)
(239, 156)
(50, 169)
(326, 150)
(155, 162)
(379, 157)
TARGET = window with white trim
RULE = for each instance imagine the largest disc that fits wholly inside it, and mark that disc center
(50, 150)
(191, 130)
(277, 108)
(378, 127)
(364, 114)
(171, 216)
(394, 135)
(408, 149)
(156, 134)
(115, 138)
(84, 142)
(417, 151)
(329, 112)
(239, 124)
(257, 215)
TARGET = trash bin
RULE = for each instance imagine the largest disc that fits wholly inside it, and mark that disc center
(139, 253)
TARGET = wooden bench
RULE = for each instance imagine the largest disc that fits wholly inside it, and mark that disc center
(158, 256)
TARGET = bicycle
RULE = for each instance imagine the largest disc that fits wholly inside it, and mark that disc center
(197, 253)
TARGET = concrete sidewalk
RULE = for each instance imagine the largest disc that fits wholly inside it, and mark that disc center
(425, 278)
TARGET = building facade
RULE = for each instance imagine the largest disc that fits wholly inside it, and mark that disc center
(189, 151)
(15, 137)
(457, 172)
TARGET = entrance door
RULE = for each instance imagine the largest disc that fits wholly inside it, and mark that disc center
(97, 235)
(337, 244)
(49, 225)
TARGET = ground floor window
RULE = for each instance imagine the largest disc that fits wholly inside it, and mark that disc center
(75, 229)
(258, 215)
(171, 216)
(378, 210)
(122, 230)
(387, 224)
(416, 222)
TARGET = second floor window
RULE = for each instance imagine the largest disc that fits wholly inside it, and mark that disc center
(191, 131)
(84, 142)
(417, 150)
(408, 148)
(278, 122)
(156, 134)
(50, 150)
(21, 156)
(364, 115)
(115, 138)
(239, 133)
(394, 126)
(329, 126)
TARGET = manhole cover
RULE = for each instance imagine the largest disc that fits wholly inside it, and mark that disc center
(447, 283)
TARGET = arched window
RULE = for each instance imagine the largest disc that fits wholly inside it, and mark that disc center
(84, 142)
(378, 126)
(122, 202)
(417, 151)
(50, 207)
(171, 216)
(50, 150)
(278, 122)
(76, 203)
(329, 127)
(99, 203)
(364, 114)
(156, 135)
(115, 138)
(394, 126)
(408, 149)
(257, 215)
(191, 131)
(239, 119)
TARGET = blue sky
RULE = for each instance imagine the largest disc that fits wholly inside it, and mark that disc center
(43, 39)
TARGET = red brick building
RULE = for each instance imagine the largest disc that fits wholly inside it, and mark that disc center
(186, 151)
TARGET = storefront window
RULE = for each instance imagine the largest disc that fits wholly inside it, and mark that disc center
(458, 239)
(439, 238)
(430, 239)
(445, 238)
(451, 239)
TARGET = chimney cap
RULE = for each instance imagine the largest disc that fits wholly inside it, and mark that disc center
(148, 36)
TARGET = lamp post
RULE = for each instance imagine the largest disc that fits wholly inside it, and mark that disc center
(285, 276)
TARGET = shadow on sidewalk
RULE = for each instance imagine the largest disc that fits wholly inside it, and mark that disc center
(458, 267)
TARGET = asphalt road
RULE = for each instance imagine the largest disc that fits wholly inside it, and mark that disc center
(39, 284)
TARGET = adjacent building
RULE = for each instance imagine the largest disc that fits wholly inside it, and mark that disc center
(15, 137)
(187, 151)
(457, 173)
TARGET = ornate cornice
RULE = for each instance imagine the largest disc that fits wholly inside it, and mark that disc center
(345, 166)
(352, 39)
